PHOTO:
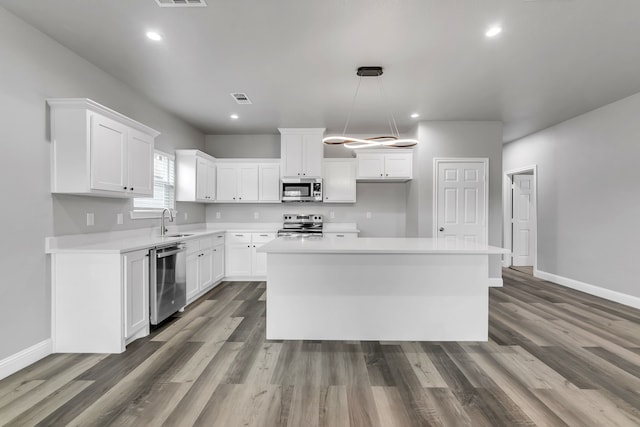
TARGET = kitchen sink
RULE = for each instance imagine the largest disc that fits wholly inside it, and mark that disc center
(179, 235)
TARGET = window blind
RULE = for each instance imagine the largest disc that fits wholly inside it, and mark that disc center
(163, 184)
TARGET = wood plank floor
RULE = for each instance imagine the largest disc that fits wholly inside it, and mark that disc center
(555, 357)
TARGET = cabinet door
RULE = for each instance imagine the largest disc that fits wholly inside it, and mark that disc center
(269, 183)
(312, 156)
(226, 183)
(193, 279)
(140, 163)
(136, 276)
(291, 155)
(398, 165)
(370, 165)
(108, 154)
(211, 181)
(238, 259)
(247, 183)
(258, 261)
(218, 263)
(339, 181)
(205, 269)
(202, 180)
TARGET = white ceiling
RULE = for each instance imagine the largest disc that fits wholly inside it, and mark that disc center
(296, 59)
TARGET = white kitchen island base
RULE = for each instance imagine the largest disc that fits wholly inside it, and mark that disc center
(315, 292)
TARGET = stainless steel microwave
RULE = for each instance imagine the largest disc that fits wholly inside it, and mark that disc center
(301, 190)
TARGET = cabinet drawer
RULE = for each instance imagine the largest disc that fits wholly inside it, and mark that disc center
(263, 237)
(192, 246)
(218, 239)
(238, 238)
(345, 235)
(206, 242)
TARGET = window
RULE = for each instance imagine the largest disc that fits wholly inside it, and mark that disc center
(163, 184)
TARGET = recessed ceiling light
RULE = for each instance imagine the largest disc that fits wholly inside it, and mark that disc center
(493, 31)
(234, 116)
(156, 37)
(415, 115)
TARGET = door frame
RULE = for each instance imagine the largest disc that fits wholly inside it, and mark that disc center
(507, 216)
(436, 163)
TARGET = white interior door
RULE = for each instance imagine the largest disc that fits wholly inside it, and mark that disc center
(523, 220)
(461, 205)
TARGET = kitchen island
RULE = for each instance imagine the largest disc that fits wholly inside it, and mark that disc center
(383, 289)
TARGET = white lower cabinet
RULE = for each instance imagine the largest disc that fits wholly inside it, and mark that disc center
(100, 301)
(205, 264)
(242, 258)
(136, 284)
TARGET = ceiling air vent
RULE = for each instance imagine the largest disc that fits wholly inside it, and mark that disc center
(181, 3)
(241, 98)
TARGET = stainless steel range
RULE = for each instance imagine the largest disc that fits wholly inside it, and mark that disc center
(301, 225)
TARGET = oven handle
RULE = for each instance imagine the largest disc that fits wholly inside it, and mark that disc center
(166, 254)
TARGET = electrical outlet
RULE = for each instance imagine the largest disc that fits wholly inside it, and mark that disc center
(332, 214)
(218, 215)
(90, 219)
(368, 215)
(186, 216)
(256, 215)
(119, 219)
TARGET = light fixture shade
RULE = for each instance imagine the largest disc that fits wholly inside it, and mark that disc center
(393, 140)
(387, 141)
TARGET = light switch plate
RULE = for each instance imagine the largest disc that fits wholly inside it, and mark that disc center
(90, 219)
(332, 214)
(256, 215)
(368, 215)
(119, 219)
(218, 215)
(186, 216)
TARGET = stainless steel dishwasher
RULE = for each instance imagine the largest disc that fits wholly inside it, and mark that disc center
(168, 281)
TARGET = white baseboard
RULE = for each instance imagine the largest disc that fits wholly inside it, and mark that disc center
(24, 358)
(597, 291)
(495, 282)
(245, 278)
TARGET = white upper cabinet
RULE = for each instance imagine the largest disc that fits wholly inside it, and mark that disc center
(384, 165)
(248, 181)
(195, 176)
(237, 182)
(97, 151)
(339, 183)
(301, 152)
(269, 182)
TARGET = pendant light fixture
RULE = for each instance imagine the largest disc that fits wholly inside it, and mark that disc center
(392, 140)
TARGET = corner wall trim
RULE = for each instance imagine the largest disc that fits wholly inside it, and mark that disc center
(24, 358)
(597, 291)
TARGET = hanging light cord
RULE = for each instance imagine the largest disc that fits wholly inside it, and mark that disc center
(394, 127)
(353, 103)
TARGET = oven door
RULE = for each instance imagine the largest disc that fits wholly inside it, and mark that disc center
(297, 191)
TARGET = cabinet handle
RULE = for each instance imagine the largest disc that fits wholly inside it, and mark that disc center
(239, 198)
(131, 188)
(237, 235)
(124, 188)
(387, 174)
(339, 235)
(380, 174)
(264, 235)
(234, 198)
(248, 246)
(220, 237)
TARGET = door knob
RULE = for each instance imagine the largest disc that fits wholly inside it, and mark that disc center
(441, 229)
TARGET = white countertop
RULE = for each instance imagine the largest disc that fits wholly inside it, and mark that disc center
(377, 245)
(133, 240)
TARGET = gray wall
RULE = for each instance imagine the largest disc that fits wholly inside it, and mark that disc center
(241, 146)
(34, 67)
(454, 139)
(588, 198)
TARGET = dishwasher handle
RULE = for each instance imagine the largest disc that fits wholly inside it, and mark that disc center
(160, 255)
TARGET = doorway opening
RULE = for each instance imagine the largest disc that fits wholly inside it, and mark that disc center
(521, 219)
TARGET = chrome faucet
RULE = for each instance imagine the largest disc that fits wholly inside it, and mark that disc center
(163, 228)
